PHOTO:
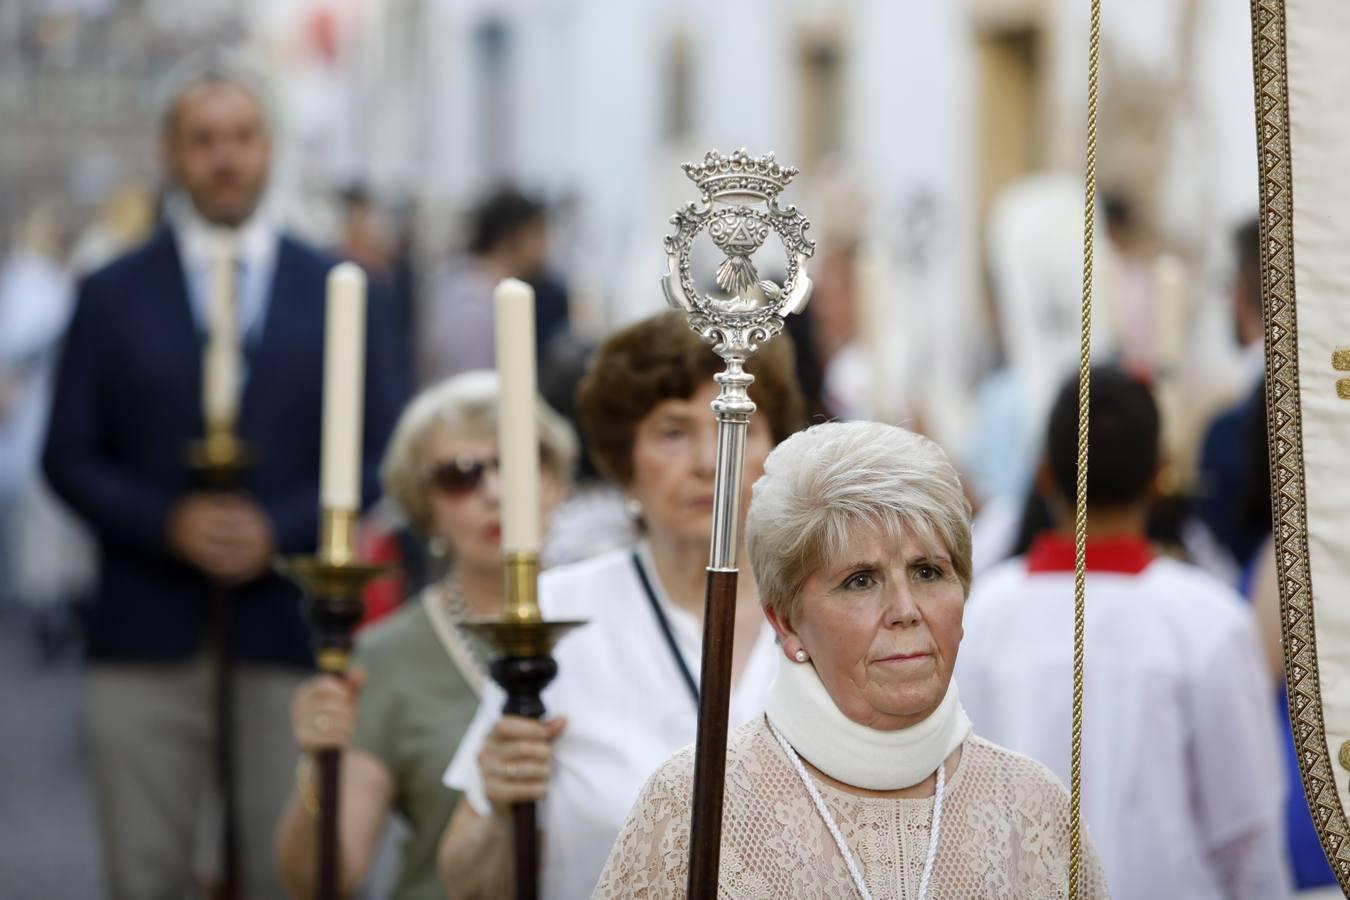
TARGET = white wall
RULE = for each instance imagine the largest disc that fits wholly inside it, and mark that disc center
(588, 99)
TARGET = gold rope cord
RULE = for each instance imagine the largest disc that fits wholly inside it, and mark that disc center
(1080, 515)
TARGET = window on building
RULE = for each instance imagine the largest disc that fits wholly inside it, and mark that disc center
(821, 123)
(493, 93)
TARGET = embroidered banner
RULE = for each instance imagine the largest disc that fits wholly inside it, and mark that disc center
(1302, 74)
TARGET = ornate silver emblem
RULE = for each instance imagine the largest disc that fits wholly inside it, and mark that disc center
(750, 307)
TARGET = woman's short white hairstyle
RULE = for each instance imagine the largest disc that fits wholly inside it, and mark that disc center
(465, 404)
(827, 486)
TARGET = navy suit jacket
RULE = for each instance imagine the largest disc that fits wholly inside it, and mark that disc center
(127, 403)
(1225, 468)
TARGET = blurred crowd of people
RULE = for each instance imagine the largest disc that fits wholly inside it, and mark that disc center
(116, 548)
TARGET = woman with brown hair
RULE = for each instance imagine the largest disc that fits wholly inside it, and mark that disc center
(626, 693)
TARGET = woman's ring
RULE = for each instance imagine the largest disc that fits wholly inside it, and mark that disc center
(322, 722)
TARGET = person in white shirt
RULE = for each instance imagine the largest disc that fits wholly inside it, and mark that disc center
(626, 693)
(1182, 786)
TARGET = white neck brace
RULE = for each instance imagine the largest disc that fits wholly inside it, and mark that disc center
(854, 754)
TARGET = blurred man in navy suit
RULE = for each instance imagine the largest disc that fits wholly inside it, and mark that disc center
(128, 402)
(1226, 459)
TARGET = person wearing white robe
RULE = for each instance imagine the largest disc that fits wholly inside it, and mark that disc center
(863, 777)
(1182, 784)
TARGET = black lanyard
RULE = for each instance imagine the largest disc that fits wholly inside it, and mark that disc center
(662, 621)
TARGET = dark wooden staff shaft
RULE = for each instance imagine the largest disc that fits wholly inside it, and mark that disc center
(525, 829)
(524, 678)
(334, 616)
(224, 477)
(705, 833)
(329, 765)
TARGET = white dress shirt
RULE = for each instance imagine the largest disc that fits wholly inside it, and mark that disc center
(628, 709)
(256, 249)
(1182, 780)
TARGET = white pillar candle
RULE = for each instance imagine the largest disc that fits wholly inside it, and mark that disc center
(220, 361)
(344, 368)
(517, 440)
(1169, 318)
(1169, 305)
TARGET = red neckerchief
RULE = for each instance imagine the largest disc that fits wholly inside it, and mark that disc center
(1052, 552)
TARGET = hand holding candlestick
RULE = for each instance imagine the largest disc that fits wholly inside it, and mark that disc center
(521, 640)
(335, 578)
(219, 462)
(735, 323)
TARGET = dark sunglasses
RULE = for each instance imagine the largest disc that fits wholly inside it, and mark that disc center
(461, 475)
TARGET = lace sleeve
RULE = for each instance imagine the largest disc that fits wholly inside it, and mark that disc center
(650, 858)
(1043, 855)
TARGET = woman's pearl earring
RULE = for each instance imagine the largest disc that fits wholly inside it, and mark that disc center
(800, 655)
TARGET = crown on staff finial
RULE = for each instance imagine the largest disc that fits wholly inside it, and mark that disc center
(738, 214)
(739, 174)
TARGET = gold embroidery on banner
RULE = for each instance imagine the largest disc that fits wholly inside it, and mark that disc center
(1270, 68)
(1340, 360)
(1343, 388)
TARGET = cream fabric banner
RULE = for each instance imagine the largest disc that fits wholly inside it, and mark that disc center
(1301, 53)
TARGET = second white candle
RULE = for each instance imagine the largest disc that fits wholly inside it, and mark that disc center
(517, 438)
(344, 380)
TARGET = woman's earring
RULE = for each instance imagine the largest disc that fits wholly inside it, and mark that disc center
(438, 548)
(800, 655)
(633, 507)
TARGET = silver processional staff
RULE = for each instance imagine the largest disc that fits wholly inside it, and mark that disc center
(739, 210)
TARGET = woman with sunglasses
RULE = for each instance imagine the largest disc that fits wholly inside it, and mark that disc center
(625, 696)
(416, 678)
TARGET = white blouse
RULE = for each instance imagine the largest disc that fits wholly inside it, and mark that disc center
(628, 709)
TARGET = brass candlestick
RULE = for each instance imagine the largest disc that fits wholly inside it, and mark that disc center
(219, 461)
(333, 579)
(523, 664)
(220, 458)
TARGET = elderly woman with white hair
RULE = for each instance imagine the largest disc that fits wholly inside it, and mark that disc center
(416, 678)
(863, 777)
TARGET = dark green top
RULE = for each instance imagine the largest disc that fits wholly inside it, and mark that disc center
(413, 711)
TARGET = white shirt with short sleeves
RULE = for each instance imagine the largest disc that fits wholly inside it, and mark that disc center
(1182, 779)
(627, 705)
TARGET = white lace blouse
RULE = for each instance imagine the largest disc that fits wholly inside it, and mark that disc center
(1004, 832)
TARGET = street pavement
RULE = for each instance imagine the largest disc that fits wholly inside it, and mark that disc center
(48, 846)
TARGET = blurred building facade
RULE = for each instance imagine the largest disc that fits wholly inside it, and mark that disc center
(907, 118)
